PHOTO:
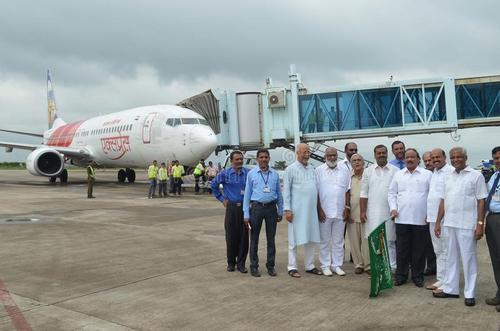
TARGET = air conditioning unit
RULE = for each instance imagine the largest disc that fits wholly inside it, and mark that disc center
(276, 99)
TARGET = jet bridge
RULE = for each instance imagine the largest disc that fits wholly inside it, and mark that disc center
(280, 116)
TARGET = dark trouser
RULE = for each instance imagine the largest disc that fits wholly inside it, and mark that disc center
(493, 239)
(236, 235)
(90, 187)
(257, 214)
(430, 256)
(171, 184)
(152, 187)
(197, 183)
(411, 242)
(177, 185)
(162, 188)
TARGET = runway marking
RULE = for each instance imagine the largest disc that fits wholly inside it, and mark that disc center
(10, 306)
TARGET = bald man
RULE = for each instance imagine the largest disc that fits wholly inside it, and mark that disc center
(300, 199)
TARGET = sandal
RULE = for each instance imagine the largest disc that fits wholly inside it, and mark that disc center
(294, 273)
(315, 271)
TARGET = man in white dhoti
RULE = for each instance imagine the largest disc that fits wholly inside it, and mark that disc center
(300, 199)
(373, 199)
(441, 169)
(462, 206)
(334, 183)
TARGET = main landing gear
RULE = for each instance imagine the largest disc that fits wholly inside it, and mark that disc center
(128, 174)
(63, 177)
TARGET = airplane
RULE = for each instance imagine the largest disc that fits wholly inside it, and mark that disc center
(126, 139)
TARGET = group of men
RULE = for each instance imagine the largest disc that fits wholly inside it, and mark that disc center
(433, 215)
(171, 176)
(165, 176)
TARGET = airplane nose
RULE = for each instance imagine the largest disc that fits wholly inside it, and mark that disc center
(203, 142)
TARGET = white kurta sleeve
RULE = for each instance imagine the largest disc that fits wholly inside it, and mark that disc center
(392, 196)
(481, 188)
(287, 188)
(364, 183)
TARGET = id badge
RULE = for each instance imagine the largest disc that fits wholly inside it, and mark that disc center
(496, 197)
(242, 192)
(266, 189)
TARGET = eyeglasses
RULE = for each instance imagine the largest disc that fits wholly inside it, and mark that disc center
(353, 150)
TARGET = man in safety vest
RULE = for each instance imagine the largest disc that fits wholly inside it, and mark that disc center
(90, 180)
(198, 172)
(177, 173)
(162, 177)
(152, 175)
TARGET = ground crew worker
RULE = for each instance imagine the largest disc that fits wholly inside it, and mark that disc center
(198, 172)
(177, 173)
(162, 177)
(152, 174)
(90, 181)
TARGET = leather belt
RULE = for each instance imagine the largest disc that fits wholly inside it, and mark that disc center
(263, 204)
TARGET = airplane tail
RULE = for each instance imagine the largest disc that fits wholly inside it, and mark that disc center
(54, 120)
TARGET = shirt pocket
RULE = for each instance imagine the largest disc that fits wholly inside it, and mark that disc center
(421, 186)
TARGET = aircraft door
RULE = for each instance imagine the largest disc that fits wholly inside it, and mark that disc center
(147, 127)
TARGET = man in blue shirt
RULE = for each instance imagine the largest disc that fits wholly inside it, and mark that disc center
(493, 225)
(398, 149)
(262, 200)
(233, 182)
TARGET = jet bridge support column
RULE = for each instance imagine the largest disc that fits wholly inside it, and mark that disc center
(294, 89)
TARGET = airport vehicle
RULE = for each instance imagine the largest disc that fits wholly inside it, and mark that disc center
(127, 139)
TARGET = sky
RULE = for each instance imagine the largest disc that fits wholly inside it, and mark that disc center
(107, 56)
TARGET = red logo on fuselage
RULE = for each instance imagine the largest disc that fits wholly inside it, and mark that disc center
(115, 147)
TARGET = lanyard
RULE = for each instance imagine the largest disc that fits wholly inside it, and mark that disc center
(265, 180)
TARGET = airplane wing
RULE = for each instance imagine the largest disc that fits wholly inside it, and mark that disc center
(23, 132)
(66, 151)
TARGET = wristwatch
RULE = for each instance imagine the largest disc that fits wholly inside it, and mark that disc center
(480, 222)
(347, 207)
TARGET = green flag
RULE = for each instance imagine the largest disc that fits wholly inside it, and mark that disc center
(381, 277)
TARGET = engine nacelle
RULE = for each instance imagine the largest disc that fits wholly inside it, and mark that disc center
(45, 162)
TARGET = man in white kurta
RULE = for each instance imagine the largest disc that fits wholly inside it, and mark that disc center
(441, 169)
(373, 199)
(462, 206)
(300, 198)
(334, 183)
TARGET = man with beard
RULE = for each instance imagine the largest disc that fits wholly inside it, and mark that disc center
(374, 207)
(300, 200)
(334, 183)
(408, 202)
(233, 183)
(398, 149)
(461, 211)
(441, 170)
(262, 201)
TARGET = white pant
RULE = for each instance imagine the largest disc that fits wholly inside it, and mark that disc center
(440, 249)
(391, 245)
(461, 244)
(332, 230)
(308, 256)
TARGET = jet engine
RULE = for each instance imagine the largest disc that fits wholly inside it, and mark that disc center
(45, 162)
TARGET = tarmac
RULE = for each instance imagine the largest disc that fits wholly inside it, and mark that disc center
(125, 262)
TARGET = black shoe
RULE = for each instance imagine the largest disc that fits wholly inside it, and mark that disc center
(255, 272)
(272, 272)
(470, 302)
(493, 301)
(231, 268)
(429, 272)
(418, 283)
(399, 282)
(444, 295)
(242, 269)
(498, 308)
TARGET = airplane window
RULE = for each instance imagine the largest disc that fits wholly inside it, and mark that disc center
(190, 121)
(203, 121)
(130, 127)
(170, 122)
(177, 122)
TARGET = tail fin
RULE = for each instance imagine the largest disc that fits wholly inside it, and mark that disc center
(54, 120)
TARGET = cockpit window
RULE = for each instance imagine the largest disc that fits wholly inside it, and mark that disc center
(190, 121)
(203, 121)
(170, 122)
(177, 121)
